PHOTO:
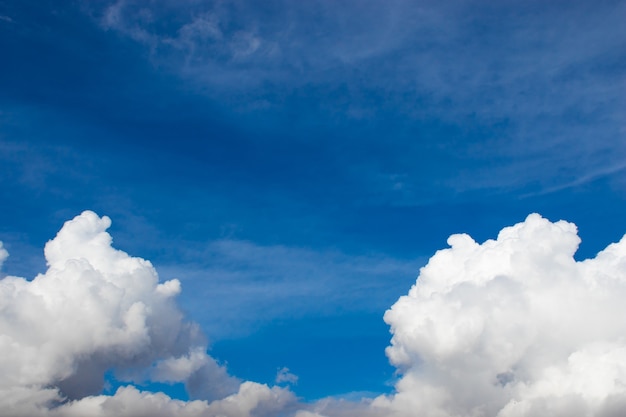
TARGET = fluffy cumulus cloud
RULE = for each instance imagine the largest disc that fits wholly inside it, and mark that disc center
(512, 327)
(97, 309)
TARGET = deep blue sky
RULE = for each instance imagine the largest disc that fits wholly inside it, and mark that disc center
(295, 163)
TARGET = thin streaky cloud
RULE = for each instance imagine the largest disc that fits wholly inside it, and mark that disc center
(528, 73)
(607, 172)
(252, 284)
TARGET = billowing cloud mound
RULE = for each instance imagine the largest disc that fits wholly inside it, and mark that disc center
(512, 327)
(95, 309)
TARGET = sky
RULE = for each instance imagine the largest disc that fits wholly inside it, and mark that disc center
(306, 209)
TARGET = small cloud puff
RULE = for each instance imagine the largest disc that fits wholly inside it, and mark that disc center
(284, 376)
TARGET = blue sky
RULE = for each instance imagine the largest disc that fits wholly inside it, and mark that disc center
(294, 164)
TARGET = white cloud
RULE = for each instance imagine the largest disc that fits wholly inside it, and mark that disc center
(180, 369)
(333, 407)
(512, 327)
(94, 309)
(252, 399)
(3, 254)
(304, 413)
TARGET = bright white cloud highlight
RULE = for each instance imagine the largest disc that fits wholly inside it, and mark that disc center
(97, 308)
(512, 327)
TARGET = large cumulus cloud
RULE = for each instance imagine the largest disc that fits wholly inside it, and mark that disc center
(512, 327)
(97, 309)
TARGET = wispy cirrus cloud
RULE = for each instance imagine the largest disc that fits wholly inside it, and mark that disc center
(539, 84)
(242, 285)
